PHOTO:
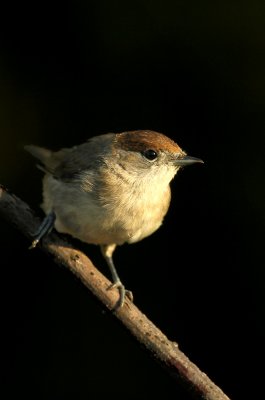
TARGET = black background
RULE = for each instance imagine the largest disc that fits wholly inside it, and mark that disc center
(194, 71)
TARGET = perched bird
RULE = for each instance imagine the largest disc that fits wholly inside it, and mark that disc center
(112, 189)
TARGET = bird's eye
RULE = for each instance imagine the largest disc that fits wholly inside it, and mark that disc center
(150, 154)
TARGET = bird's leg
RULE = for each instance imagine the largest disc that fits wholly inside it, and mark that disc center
(44, 229)
(107, 251)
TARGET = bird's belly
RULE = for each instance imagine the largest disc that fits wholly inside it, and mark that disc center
(101, 228)
(143, 216)
(146, 225)
(83, 217)
(98, 226)
(90, 225)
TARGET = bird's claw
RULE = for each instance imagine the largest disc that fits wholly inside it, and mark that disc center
(34, 244)
(123, 292)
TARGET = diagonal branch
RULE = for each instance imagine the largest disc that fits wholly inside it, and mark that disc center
(156, 343)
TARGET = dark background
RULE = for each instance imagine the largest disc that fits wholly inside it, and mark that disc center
(194, 71)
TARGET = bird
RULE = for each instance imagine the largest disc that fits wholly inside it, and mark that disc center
(112, 189)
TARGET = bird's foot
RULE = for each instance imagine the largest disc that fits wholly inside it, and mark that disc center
(123, 293)
(34, 244)
(44, 229)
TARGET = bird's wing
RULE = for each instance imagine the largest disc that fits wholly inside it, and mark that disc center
(67, 163)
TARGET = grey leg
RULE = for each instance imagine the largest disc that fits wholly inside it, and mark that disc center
(107, 251)
(44, 229)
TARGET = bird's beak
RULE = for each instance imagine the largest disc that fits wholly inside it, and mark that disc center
(187, 160)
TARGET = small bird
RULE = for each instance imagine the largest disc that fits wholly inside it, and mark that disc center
(112, 189)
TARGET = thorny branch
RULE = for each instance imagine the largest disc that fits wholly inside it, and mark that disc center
(161, 348)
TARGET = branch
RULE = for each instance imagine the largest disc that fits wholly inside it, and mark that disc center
(161, 348)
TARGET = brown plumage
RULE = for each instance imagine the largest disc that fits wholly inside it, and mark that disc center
(112, 189)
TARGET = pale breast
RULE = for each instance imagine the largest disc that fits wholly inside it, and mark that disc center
(108, 217)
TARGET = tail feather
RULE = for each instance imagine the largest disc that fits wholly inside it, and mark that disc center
(40, 153)
(43, 155)
(49, 161)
